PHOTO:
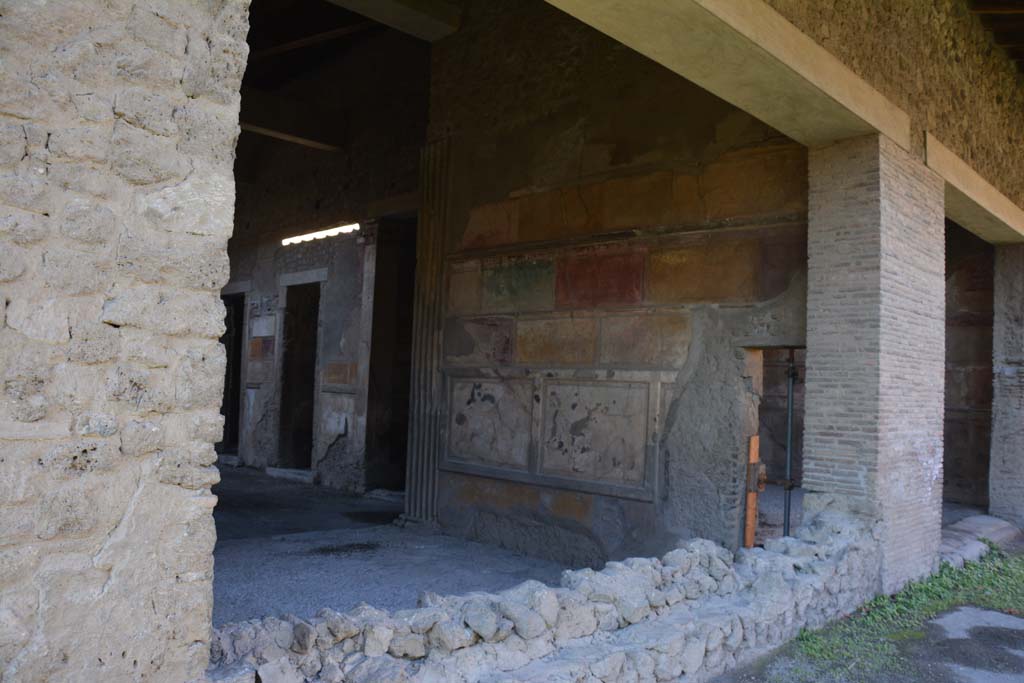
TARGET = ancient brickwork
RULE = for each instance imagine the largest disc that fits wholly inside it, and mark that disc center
(936, 61)
(875, 337)
(117, 130)
(695, 612)
(1006, 477)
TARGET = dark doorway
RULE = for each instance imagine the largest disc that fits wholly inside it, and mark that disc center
(298, 375)
(970, 267)
(387, 415)
(774, 410)
(781, 421)
(234, 333)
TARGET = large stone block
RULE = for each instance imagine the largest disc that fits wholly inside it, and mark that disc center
(143, 158)
(13, 144)
(215, 66)
(556, 341)
(24, 228)
(88, 222)
(167, 312)
(89, 143)
(207, 132)
(146, 109)
(201, 205)
(157, 32)
(75, 273)
(45, 320)
(12, 264)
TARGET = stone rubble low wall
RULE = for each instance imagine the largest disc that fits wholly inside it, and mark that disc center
(693, 614)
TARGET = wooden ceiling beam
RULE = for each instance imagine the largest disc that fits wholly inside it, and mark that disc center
(997, 7)
(1009, 38)
(1006, 22)
(428, 20)
(287, 137)
(314, 39)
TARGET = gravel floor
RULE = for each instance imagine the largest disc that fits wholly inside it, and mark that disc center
(260, 571)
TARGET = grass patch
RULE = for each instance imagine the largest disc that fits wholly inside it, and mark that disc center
(869, 640)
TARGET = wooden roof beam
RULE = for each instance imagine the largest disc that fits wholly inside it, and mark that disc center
(428, 20)
(287, 137)
(997, 7)
(314, 39)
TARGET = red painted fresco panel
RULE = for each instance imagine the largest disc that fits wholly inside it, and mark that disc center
(600, 279)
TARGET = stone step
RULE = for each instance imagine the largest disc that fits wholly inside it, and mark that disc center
(962, 542)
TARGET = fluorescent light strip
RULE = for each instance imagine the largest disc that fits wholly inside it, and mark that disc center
(320, 234)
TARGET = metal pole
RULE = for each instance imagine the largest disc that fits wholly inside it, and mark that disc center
(790, 380)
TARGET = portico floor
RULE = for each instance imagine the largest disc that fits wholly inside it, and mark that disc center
(285, 547)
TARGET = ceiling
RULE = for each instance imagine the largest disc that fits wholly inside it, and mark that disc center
(287, 38)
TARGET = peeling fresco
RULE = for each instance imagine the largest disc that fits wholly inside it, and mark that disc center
(491, 423)
(596, 432)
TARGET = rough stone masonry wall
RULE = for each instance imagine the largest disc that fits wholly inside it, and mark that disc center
(939, 64)
(618, 239)
(117, 128)
(694, 613)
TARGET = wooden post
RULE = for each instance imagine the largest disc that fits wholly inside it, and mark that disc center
(750, 528)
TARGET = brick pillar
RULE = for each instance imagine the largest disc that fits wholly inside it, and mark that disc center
(1006, 467)
(876, 346)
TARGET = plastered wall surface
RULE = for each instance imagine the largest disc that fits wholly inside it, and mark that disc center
(618, 239)
(339, 266)
(117, 129)
(938, 63)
